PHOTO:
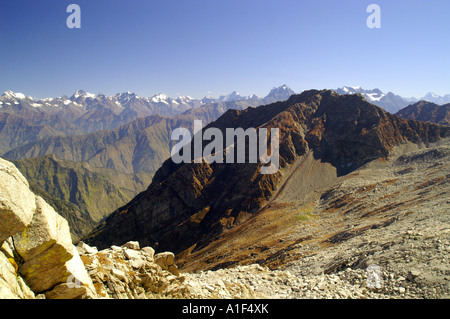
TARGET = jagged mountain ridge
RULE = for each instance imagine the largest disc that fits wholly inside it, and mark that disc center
(388, 101)
(24, 119)
(18, 103)
(73, 172)
(427, 112)
(16, 131)
(434, 98)
(392, 102)
(188, 204)
(141, 145)
(95, 191)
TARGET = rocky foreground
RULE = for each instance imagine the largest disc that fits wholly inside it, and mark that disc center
(403, 254)
(128, 272)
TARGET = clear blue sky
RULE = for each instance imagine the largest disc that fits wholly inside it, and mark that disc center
(200, 47)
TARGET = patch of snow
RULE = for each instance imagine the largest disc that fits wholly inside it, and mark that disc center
(160, 98)
(374, 96)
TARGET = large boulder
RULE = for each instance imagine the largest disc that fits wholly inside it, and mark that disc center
(36, 251)
(78, 283)
(47, 231)
(50, 258)
(17, 203)
(166, 260)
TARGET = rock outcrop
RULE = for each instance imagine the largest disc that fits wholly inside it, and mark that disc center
(17, 202)
(128, 272)
(37, 257)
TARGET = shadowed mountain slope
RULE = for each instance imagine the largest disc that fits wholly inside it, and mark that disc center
(187, 205)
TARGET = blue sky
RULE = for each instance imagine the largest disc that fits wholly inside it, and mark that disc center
(200, 47)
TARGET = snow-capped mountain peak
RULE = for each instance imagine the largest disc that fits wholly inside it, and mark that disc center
(370, 95)
(388, 101)
(82, 94)
(159, 98)
(14, 95)
(279, 93)
(435, 98)
(234, 96)
(432, 95)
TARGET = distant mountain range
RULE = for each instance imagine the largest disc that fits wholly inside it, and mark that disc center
(390, 101)
(24, 119)
(111, 165)
(88, 175)
(72, 149)
(83, 107)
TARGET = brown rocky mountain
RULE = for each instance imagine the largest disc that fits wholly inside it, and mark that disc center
(86, 177)
(322, 136)
(427, 112)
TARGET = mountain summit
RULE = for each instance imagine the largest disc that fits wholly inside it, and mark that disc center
(281, 93)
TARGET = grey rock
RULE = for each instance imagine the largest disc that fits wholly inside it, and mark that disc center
(17, 204)
(132, 245)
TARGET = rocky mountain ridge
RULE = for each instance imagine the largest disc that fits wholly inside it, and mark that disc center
(115, 165)
(379, 232)
(24, 119)
(392, 102)
(187, 205)
(427, 112)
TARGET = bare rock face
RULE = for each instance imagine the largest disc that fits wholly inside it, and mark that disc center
(16, 200)
(12, 286)
(46, 231)
(37, 255)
